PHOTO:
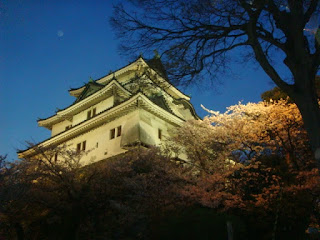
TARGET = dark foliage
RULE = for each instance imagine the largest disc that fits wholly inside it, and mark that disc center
(276, 93)
(145, 195)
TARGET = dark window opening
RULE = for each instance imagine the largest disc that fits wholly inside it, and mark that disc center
(55, 157)
(160, 134)
(119, 131)
(112, 133)
(89, 114)
(78, 147)
(84, 145)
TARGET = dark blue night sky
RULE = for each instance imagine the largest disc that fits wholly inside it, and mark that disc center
(48, 47)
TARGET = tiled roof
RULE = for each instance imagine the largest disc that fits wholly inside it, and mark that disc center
(90, 89)
(156, 65)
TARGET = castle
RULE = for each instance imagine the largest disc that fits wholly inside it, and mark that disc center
(135, 105)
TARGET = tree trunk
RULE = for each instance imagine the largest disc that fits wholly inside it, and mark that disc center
(230, 230)
(310, 111)
(19, 231)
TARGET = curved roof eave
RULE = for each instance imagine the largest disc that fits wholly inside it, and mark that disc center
(193, 111)
(47, 122)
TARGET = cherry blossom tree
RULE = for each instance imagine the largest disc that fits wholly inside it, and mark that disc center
(247, 131)
(274, 178)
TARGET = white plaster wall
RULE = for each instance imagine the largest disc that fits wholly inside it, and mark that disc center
(82, 116)
(98, 143)
(101, 106)
(152, 123)
(59, 127)
(99, 146)
(105, 104)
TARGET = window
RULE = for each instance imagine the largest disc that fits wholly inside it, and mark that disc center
(112, 133)
(84, 145)
(119, 131)
(89, 114)
(81, 146)
(160, 134)
(78, 147)
(55, 157)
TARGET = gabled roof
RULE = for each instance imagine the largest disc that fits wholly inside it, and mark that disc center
(90, 88)
(155, 64)
(105, 79)
(161, 102)
(188, 105)
(78, 106)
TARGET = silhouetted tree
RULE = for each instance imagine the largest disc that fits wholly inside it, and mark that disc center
(197, 38)
(48, 197)
(16, 209)
(276, 93)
